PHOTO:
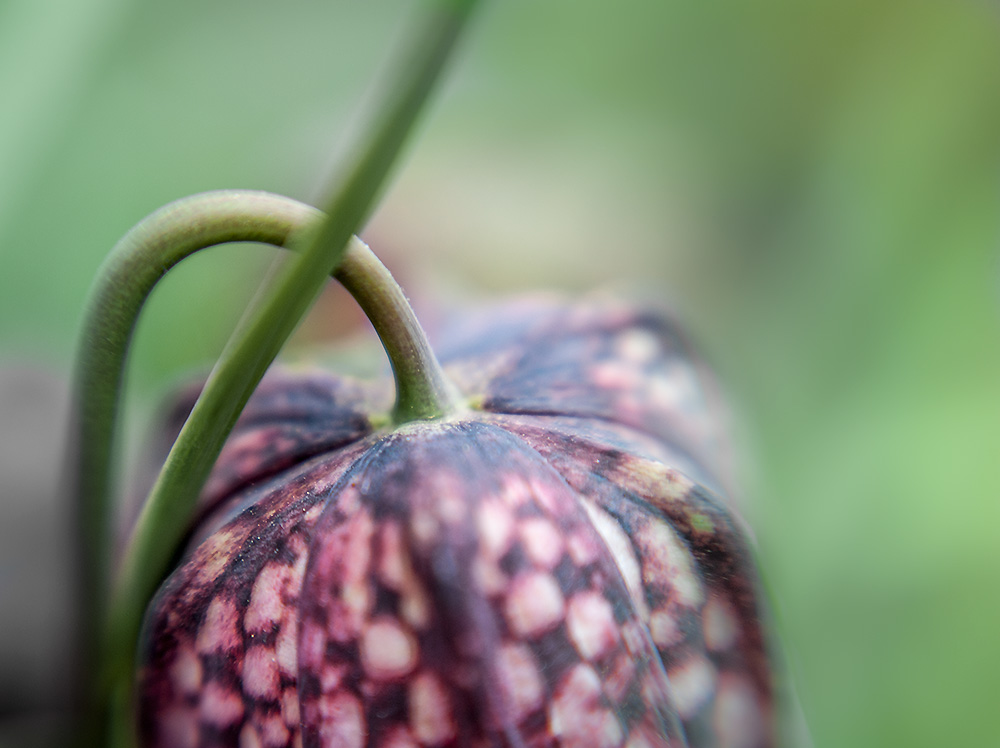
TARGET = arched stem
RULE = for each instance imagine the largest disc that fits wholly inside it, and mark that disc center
(128, 276)
(422, 389)
(125, 281)
(240, 367)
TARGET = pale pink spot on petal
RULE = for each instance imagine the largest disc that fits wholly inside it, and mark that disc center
(720, 625)
(675, 388)
(285, 646)
(349, 613)
(260, 672)
(577, 715)
(580, 687)
(332, 676)
(395, 570)
(414, 606)
(546, 494)
(488, 576)
(692, 684)
(391, 562)
(290, 706)
(450, 504)
(534, 604)
(667, 564)
(514, 492)
(249, 737)
(219, 631)
(591, 624)
(387, 649)
(496, 527)
(220, 706)
(424, 526)
(312, 645)
(273, 731)
(186, 670)
(521, 680)
(664, 629)
(342, 721)
(266, 604)
(583, 548)
(430, 711)
(213, 556)
(297, 546)
(542, 542)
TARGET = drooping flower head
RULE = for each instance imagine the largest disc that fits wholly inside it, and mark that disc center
(555, 566)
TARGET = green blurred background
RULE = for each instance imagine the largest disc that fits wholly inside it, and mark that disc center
(812, 185)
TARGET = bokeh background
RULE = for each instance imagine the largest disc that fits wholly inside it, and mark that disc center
(813, 186)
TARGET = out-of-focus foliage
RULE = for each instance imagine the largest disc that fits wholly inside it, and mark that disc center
(813, 185)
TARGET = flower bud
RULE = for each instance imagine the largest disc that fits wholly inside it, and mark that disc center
(555, 566)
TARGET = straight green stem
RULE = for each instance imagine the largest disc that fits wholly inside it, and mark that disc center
(234, 378)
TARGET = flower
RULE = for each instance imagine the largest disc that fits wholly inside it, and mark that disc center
(555, 566)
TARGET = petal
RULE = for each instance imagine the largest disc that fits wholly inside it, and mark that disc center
(691, 571)
(219, 643)
(458, 594)
(596, 360)
(291, 417)
(602, 439)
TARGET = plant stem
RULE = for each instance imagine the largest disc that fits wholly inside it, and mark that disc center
(128, 276)
(236, 375)
(124, 283)
(422, 389)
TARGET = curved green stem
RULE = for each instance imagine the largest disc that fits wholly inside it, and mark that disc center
(422, 389)
(125, 281)
(270, 322)
(139, 260)
(242, 364)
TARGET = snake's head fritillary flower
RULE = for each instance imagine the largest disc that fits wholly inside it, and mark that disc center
(555, 566)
